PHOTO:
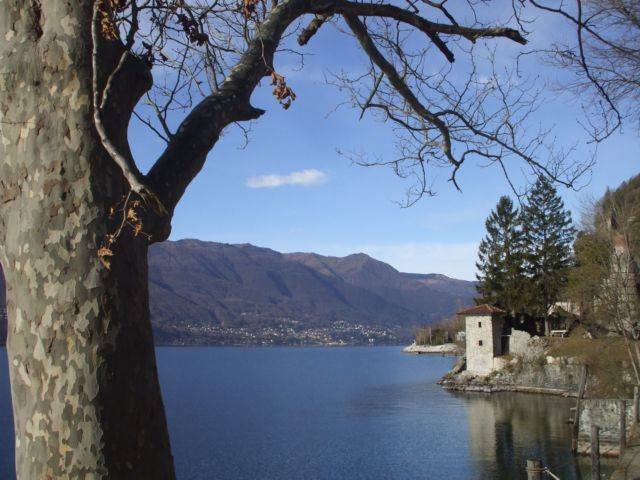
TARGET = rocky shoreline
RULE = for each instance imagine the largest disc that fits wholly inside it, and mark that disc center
(551, 377)
(444, 349)
(530, 370)
(468, 383)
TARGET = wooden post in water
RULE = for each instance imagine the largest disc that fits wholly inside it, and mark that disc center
(534, 470)
(595, 452)
(636, 404)
(622, 405)
(575, 431)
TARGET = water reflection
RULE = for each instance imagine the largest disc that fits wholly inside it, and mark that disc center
(339, 414)
(506, 429)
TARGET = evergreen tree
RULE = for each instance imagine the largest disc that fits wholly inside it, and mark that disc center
(548, 235)
(500, 259)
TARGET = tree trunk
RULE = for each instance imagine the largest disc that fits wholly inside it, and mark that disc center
(547, 326)
(84, 385)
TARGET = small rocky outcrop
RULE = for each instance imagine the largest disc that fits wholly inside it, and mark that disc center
(527, 369)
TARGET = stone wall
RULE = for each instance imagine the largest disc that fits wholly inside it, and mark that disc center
(518, 342)
(523, 345)
(605, 413)
(561, 374)
(516, 376)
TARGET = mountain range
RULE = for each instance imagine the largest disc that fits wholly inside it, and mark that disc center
(215, 293)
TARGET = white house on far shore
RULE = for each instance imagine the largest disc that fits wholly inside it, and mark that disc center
(483, 326)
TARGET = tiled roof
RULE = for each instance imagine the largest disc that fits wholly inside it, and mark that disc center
(484, 309)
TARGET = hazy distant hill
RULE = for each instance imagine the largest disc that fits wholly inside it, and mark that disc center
(432, 296)
(233, 286)
(205, 292)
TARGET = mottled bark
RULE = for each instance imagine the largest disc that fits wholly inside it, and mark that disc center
(86, 398)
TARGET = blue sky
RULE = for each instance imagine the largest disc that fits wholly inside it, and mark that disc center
(289, 189)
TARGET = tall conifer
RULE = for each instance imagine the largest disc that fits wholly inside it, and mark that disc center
(500, 259)
(548, 235)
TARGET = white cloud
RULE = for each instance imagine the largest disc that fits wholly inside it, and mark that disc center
(305, 178)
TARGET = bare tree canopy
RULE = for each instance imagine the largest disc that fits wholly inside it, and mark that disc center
(603, 55)
(211, 56)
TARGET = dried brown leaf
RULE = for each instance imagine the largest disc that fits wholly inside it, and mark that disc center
(103, 255)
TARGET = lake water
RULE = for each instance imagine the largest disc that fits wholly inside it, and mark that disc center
(338, 413)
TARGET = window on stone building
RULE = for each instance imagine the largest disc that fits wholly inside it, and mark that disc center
(479, 324)
(479, 343)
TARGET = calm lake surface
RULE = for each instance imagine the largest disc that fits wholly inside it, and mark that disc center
(338, 413)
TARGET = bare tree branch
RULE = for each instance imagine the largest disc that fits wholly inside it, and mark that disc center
(431, 29)
(604, 57)
(209, 57)
(390, 72)
(186, 153)
(100, 102)
(311, 29)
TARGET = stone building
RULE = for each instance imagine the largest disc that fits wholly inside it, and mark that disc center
(484, 326)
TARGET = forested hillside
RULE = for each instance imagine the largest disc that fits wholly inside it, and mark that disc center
(605, 281)
(214, 293)
(207, 292)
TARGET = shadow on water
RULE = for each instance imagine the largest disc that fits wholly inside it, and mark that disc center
(507, 429)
